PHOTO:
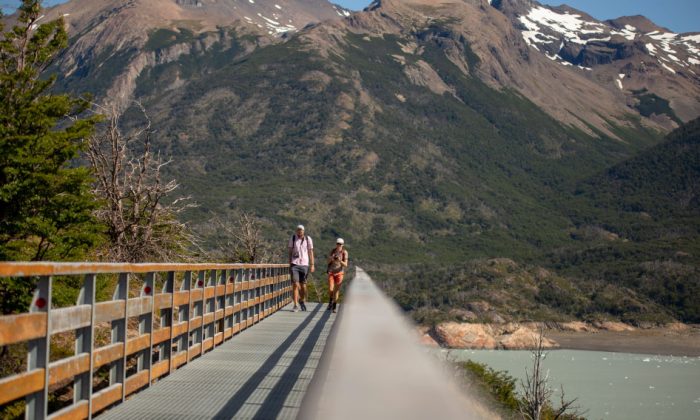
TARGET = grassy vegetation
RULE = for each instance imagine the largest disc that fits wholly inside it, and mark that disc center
(164, 38)
(650, 104)
(502, 388)
(497, 384)
(502, 289)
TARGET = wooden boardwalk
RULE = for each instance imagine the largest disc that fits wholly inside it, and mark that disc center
(262, 373)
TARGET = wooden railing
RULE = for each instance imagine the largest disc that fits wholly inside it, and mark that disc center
(197, 308)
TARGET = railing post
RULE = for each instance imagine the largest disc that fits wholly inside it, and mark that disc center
(263, 291)
(244, 297)
(201, 283)
(84, 341)
(38, 354)
(278, 281)
(268, 288)
(276, 288)
(258, 293)
(238, 297)
(289, 286)
(236, 287)
(220, 305)
(117, 373)
(186, 286)
(166, 320)
(145, 357)
(251, 295)
(210, 305)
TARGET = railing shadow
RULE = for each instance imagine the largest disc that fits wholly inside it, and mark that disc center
(274, 402)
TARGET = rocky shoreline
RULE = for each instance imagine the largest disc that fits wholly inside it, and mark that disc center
(670, 339)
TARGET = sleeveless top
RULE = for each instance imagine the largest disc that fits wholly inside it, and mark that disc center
(335, 266)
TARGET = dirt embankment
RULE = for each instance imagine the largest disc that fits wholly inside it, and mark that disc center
(672, 339)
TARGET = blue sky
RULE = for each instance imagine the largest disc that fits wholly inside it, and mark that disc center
(677, 15)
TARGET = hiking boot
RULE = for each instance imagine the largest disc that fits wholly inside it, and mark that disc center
(335, 307)
(303, 306)
(330, 305)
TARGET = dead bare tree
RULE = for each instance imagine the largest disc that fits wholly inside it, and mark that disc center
(536, 391)
(245, 241)
(141, 218)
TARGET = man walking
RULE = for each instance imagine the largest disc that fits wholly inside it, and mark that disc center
(301, 262)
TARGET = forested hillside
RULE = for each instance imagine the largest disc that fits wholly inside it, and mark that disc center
(632, 255)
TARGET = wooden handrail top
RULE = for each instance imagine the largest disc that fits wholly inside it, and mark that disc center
(32, 269)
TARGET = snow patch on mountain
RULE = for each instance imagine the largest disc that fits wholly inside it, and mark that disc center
(546, 29)
(274, 26)
(342, 12)
(672, 45)
(570, 26)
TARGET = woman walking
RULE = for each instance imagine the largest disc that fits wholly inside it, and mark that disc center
(337, 263)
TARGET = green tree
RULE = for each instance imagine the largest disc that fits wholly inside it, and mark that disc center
(45, 201)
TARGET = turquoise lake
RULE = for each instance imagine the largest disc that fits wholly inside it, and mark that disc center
(611, 385)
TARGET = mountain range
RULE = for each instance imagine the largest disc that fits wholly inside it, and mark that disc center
(618, 67)
(425, 132)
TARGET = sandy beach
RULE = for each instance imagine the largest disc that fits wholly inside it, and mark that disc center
(657, 341)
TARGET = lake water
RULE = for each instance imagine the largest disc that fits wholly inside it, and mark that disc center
(611, 385)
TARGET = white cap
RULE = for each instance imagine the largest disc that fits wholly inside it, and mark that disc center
(300, 227)
(339, 241)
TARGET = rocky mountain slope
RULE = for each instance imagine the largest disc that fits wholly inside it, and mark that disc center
(631, 54)
(608, 72)
(506, 59)
(427, 133)
(113, 41)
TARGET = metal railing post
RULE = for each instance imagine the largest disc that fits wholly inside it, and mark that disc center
(245, 292)
(251, 295)
(166, 320)
(240, 278)
(221, 306)
(117, 372)
(211, 307)
(187, 286)
(38, 352)
(84, 342)
(201, 283)
(145, 357)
